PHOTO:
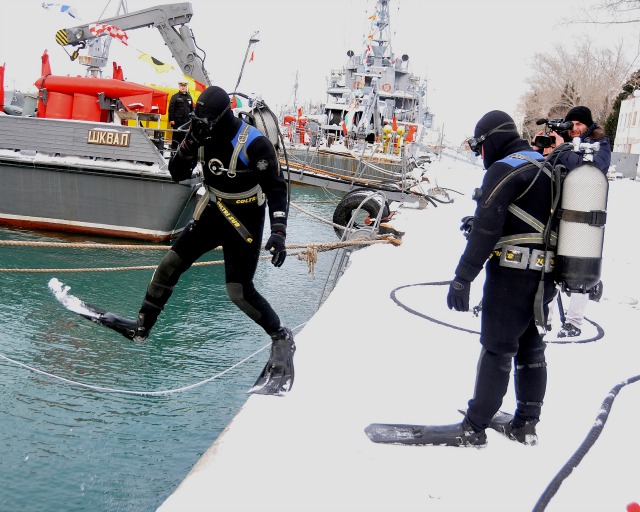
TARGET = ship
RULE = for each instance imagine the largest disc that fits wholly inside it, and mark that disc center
(86, 154)
(373, 128)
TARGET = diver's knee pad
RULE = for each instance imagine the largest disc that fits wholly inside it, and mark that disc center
(235, 291)
(165, 276)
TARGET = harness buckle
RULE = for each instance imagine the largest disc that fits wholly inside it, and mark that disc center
(513, 256)
(538, 260)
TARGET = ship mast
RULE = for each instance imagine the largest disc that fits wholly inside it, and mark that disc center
(382, 36)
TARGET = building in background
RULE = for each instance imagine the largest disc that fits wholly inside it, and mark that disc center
(626, 148)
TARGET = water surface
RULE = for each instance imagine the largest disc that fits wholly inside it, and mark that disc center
(70, 448)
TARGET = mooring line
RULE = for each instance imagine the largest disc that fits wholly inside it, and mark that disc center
(132, 392)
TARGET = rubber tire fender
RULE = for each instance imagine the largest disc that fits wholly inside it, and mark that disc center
(350, 202)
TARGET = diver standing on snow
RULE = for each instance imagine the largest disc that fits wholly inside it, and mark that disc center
(514, 190)
(241, 177)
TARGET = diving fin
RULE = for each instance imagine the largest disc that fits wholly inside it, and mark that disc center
(276, 377)
(124, 326)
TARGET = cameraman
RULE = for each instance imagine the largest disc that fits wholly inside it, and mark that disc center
(587, 131)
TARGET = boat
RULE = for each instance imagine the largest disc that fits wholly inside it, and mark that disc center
(86, 154)
(74, 167)
(374, 126)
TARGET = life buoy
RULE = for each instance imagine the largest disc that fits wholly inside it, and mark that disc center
(386, 87)
(350, 203)
(357, 84)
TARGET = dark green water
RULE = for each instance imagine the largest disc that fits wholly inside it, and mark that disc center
(69, 448)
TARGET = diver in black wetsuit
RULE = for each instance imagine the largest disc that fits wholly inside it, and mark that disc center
(241, 176)
(514, 190)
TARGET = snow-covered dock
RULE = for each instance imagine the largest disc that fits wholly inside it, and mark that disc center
(382, 349)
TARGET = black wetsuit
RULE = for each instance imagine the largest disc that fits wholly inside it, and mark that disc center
(258, 171)
(508, 330)
(180, 106)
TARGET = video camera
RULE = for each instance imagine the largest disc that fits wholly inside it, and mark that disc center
(551, 125)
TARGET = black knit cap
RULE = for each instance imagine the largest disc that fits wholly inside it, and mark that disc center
(494, 143)
(213, 103)
(581, 114)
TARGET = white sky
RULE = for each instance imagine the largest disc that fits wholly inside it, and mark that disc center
(474, 54)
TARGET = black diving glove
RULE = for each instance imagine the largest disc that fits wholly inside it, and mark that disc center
(275, 244)
(198, 131)
(458, 296)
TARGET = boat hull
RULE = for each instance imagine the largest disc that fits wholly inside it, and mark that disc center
(346, 165)
(303, 177)
(53, 179)
(96, 202)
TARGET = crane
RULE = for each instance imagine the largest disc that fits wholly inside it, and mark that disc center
(165, 18)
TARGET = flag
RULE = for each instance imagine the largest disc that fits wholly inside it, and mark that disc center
(46, 66)
(65, 9)
(194, 84)
(161, 67)
(251, 58)
(236, 102)
(97, 29)
(118, 74)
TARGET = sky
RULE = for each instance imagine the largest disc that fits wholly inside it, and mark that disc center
(475, 55)
(375, 353)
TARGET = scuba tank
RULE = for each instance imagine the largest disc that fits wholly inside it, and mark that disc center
(582, 215)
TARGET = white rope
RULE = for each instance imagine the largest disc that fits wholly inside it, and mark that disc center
(131, 392)
(313, 215)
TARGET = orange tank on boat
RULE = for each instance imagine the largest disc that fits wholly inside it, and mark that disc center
(77, 97)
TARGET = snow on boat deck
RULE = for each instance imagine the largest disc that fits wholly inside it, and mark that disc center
(363, 358)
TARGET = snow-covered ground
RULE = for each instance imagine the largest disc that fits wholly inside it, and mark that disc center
(364, 359)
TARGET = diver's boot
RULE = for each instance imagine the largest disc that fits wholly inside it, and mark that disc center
(137, 330)
(277, 376)
(524, 432)
(147, 317)
(124, 326)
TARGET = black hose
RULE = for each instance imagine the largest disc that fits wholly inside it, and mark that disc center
(593, 434)
(586, 445)
(414, 312)
(394, 298)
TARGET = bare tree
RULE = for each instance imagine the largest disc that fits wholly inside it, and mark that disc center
(616, 11)
(584, 74)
